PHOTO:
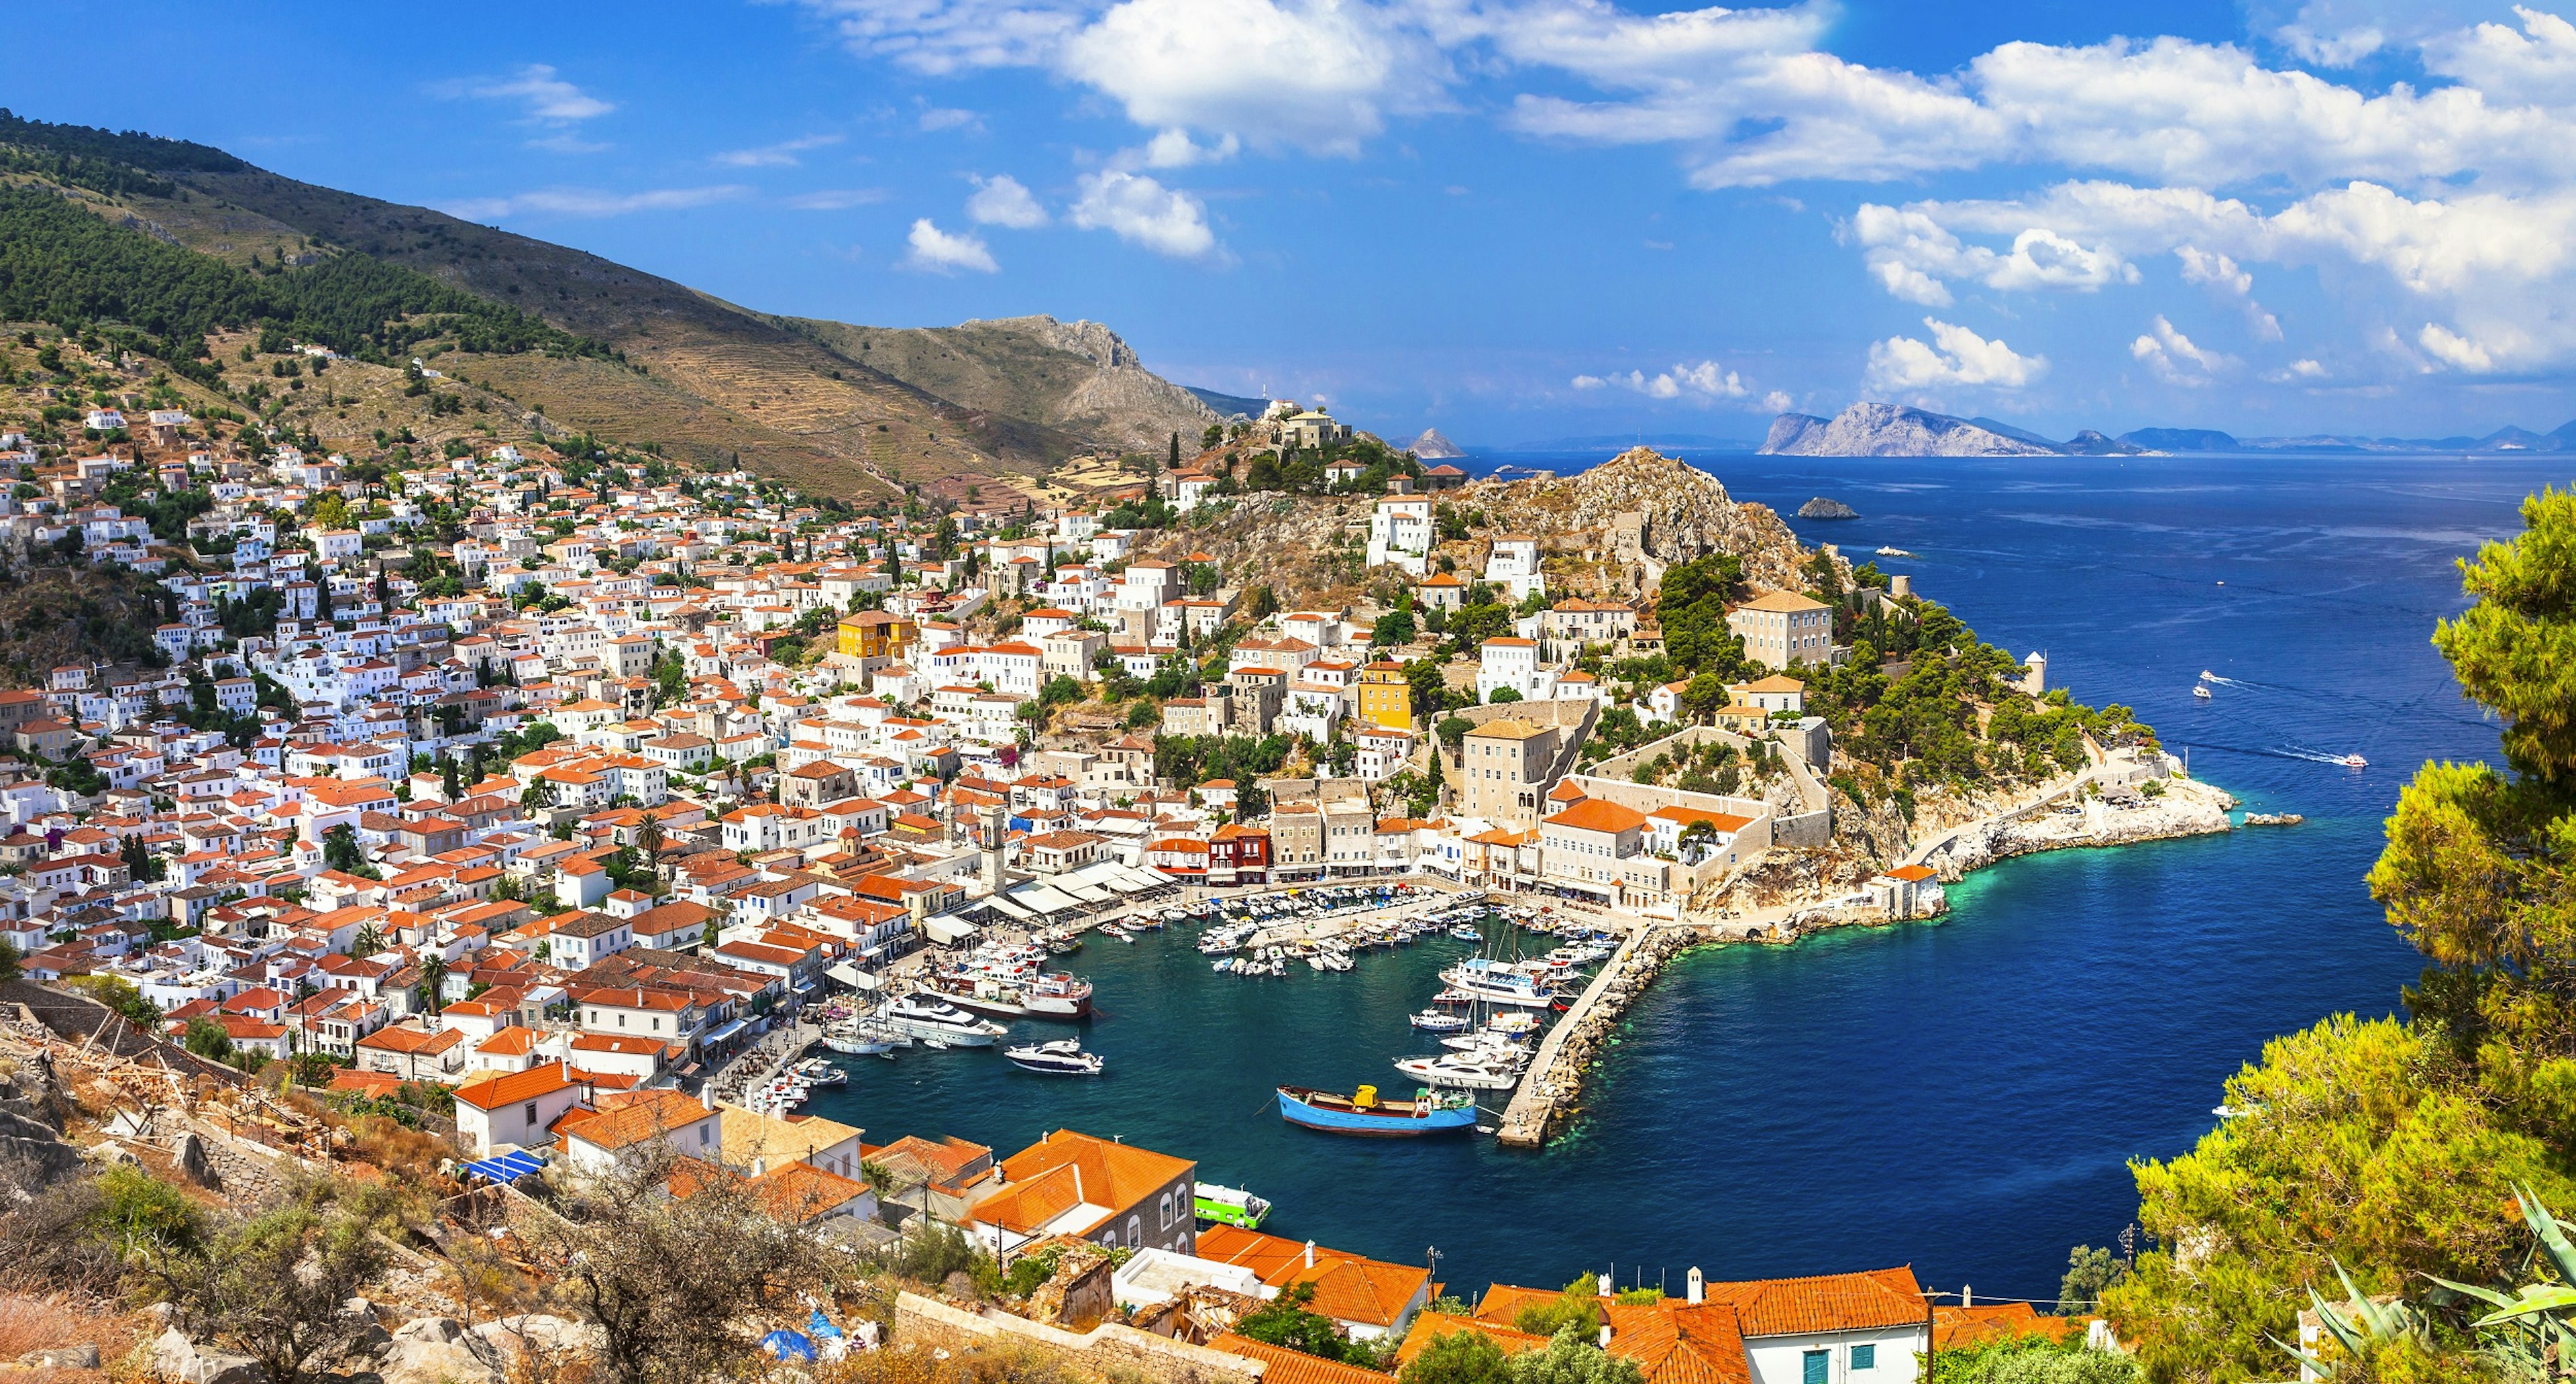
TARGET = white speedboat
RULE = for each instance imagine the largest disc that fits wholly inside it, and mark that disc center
(2354, 761)
(1434, 1021)
(1893, 551)
(1063, 1057)
(937, 1022)
(2201, 691)
(1461, 1071)
(815, 1071)
(1465, 933)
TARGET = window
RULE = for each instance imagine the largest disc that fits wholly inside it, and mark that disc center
(1864, 1357)
(1167, 1211)
(1135, 1231)
(532, 1112)
(1812, 1367)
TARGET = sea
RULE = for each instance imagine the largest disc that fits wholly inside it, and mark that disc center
(1966, 1096)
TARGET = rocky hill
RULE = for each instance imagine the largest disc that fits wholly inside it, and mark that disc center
(1686, 514)
(1078, 377)
(1891, 430)
(1431, 446)
(705, 379)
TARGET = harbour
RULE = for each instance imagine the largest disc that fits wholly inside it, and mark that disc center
(2075, 1009)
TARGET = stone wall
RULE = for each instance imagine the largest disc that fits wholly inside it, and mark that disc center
(1109, 1352)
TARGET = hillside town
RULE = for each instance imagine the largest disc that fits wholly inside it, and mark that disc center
(561, 791)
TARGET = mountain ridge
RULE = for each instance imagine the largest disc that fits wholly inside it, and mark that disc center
(713, 381)
(1875, 429)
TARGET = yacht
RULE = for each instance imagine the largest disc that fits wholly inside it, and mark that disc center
(1495, 982)
(2354, 761)
(1458, 1069)
(937, 1023)
(1063, 1057)
(1433, 1021)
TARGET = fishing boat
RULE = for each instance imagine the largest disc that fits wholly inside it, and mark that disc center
(938, 1023)
(815, 1071)
(1465, 932)
(1230, 1206)
(2201, 691)
(1433, 1021)
(1063, 1057)
(1363, 1113)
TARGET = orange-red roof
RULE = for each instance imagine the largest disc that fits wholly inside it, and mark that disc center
(1281, 1365)
(1347, 1287)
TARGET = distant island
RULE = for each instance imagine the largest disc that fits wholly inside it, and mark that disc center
(1894, 430)
(1431, 446)
(1822, 508)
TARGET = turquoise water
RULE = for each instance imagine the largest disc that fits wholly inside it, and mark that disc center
(1963, 1096)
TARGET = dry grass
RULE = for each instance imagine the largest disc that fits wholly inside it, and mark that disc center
(53, 1321)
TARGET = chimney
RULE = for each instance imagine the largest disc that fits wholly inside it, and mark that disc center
(1310, 1254)
(1967, 1296)
(1605, 1335)
(1698, 1292)
(1077, 1183)
(707, 1095)
(1604, 1281)
(759, 1166)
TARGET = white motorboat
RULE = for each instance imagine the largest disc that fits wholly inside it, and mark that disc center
(1460, 1071)
(1063, 1057)
(2354, 761)
(1893, 551)
(2201, 691)
(935, 1021)
(1495, 982)
(1466, 933)
(1434, 1021)
(815, 1071)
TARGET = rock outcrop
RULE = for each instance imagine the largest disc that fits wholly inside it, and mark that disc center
(175, 1357)
(1891, 430)
(1431, 446)
(1686, 512)
(1822, 508)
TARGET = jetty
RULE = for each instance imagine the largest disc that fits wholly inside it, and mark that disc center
(1545, 1097)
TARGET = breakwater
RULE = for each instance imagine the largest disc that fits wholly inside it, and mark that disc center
(1548, 1095)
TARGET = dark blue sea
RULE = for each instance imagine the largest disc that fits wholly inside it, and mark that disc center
(1966, 1096)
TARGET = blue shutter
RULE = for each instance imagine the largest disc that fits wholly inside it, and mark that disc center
(1864, 1357)
(1812, 1368)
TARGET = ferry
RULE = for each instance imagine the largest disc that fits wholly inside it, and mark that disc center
(1230, 1206)
(1363, 1113)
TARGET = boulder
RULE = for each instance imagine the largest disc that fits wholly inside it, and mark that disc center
(176, 1357)
(192, 1160)
(83, 1357)
(512, 1336)
(438, 1350)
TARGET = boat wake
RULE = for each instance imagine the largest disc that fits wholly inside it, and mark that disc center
(2340, 761)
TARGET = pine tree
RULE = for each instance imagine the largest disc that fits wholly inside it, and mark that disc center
(1176, 451)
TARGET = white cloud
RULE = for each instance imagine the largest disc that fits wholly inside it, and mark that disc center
(1141, 211)
(1175, 149)
(1002, 201)
(1704, 383)
(939, 118)
(942, 253)
(837, 198)
(2302, 371)
(538, 90)
(1910, 253)
(2454, 350)
(779, 155)
(1956, 356)
(2204, 267)
(1777, 401)
(591, 202)
(2173, 357)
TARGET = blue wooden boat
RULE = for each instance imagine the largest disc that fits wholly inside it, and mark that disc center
(1364, 1113)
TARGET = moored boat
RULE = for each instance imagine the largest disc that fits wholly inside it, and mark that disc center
(1363, 1113)
(938, 1023)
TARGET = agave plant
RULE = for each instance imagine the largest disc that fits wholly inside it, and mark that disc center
(2532, 1332)
(2359, 1326)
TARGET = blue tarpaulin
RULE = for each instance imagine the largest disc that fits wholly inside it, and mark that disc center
(509, 1167)
(820, 1327)
(782, 1344)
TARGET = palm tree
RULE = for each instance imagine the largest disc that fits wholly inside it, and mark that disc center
(433, 976)
(369, 941)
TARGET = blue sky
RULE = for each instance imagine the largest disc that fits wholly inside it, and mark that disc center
(1511, 219)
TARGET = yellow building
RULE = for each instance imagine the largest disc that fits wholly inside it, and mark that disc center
(874, 635)
(1385, 698)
